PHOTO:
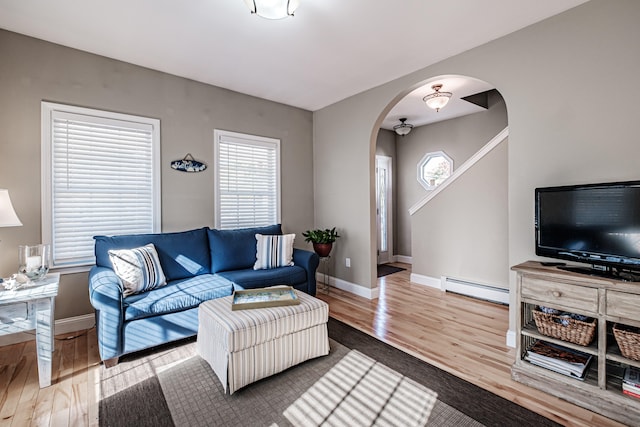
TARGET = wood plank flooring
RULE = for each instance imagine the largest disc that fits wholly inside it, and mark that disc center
(71, 400)
(463, 336)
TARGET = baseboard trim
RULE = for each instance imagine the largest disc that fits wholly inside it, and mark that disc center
(353, 288)
(476, 290)
(403, 258)
(511, 338)
(431, 282)
(62, 326)
(76, 323)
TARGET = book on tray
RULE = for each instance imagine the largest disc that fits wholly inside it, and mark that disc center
(631, 381)
(557, 358)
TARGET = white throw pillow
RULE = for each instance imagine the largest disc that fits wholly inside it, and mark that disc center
(138, 268)
(274, 251)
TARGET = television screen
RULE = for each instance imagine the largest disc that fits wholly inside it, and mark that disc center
(598, 223)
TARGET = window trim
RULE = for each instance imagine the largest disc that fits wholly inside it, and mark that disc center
(422, 163)
(218, 134)
(46, 168)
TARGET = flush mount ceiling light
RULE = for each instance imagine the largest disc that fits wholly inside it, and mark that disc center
(403, 128)
(437, 99)
(273, 9)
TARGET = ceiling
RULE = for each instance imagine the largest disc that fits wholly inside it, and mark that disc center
(330, 49)
(413, 108)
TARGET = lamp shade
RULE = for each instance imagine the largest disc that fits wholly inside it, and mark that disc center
(403, 128)
(273, 9)
(437, 102)
(8, 217)
(437, 99)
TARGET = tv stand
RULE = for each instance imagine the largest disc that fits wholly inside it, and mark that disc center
(609, 301)
(608, 273)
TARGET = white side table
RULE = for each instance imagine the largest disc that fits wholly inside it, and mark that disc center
(31, 307)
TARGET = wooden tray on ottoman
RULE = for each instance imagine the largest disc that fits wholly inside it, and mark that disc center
(275, 296)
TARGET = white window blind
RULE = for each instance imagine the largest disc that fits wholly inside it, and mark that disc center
(247, 180)
(100, 176)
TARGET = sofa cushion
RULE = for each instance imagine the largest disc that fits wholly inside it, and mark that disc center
(236, 249)
(182, 254)
(251, 279)
(274, 251)
(139, 269)
(176, 296)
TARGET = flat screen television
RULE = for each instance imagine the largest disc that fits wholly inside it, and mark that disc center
(597, 224)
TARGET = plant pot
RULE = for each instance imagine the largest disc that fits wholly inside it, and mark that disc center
(322, 249)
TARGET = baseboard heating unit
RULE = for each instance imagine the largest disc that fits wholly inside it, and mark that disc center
(476, 290)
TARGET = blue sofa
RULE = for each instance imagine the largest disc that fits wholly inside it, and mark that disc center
(199, 265)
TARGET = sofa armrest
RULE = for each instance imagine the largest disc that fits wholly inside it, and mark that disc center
(309, 261)
(105, 294)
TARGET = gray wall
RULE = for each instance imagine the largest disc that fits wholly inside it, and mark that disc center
(462, 232)
(386, 143)
(459, 138)
(33, 70)
(569, 139)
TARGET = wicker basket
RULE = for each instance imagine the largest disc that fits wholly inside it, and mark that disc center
(571, 330)
(628, 339)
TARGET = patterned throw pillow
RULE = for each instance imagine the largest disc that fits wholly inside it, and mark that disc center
(138, 268)
(274, 251)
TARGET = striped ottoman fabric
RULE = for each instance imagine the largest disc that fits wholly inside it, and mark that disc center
(245, 346)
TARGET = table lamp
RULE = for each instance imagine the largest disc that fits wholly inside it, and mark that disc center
(8, 217)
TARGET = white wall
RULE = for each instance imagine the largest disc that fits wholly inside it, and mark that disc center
(566, 138)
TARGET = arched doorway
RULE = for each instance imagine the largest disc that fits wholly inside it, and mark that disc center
(475, 113)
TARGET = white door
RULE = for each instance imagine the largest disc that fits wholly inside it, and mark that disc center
(383, 208)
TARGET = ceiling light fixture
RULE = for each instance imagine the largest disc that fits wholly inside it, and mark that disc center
(273, 9)
(403, 128)
(437, 99)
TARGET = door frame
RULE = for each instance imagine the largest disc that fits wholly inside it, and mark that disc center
(387, 256)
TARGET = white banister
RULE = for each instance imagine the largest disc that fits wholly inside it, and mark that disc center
(501, 136)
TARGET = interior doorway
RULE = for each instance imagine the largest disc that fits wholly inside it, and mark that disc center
(384, 211)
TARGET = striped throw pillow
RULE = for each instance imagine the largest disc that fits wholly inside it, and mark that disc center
(274, 251)
(139, 269)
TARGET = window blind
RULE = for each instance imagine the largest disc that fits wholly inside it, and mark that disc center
(102, 182)
(248, 193)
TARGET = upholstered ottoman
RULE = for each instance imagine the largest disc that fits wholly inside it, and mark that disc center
(245, 346)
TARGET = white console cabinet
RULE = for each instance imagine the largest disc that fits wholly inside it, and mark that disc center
(608, 300)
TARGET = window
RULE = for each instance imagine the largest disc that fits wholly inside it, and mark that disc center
(247, 187)
(433, 169)
(100, 175)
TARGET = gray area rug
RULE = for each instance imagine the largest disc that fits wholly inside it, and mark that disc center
(171, 385)
(195, 397)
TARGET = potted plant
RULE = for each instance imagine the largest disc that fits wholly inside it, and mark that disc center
(322, 240)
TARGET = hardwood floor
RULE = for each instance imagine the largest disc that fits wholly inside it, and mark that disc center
(463, 336)
(71, 400)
